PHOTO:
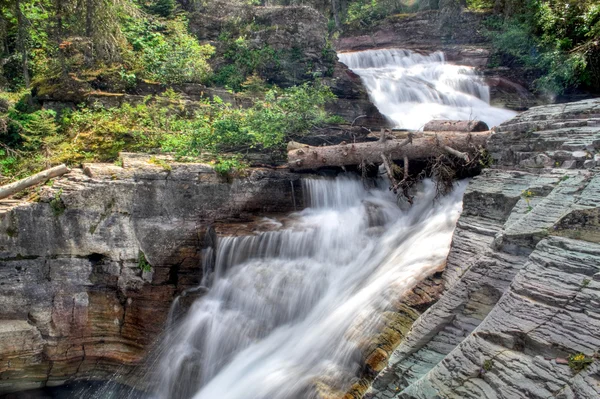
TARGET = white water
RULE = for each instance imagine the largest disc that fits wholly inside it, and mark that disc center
(411, 89)
(286, 310)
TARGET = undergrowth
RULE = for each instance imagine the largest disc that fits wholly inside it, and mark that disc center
(37, 139)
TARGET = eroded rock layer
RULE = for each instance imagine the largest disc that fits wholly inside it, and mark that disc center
(88, 273)
(522, 280)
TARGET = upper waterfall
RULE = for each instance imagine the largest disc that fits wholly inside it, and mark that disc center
(411, 89)
(287, 311)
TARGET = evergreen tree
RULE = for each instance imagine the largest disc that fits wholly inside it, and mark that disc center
(163, 8)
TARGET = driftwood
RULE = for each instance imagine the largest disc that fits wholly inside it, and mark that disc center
(13, 188)
(415, 146)
(455, 126)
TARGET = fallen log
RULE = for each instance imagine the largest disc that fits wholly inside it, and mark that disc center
(416, 146)
(455, 126)
(41, 177)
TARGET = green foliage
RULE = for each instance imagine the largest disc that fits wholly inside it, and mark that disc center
(552, 39)
(143, 263)
(488, 364)
(366, 13)
(528, 195)
(579, 362)
(586, 282)
(227, 166)
(163, 126)
(242, 62)
(57, 205)
(163, 51)
(480, 4)
(163, 8)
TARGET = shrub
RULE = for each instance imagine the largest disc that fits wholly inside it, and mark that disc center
(163, 51)
(215, 128)
(243, 61)
(480, 4)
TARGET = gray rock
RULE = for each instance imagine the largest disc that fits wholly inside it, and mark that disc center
(570, 164)
(588, 164)
(522, 285)
(75, 302)
(580, 155)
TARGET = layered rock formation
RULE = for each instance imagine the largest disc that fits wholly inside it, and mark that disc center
(522, 286)
(88, 273)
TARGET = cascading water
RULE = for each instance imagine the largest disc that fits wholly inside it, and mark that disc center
(411, 89)
(286, 311)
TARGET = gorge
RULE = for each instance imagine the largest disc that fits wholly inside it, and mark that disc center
(162, 275)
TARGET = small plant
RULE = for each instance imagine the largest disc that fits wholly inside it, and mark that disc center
(488, 364)
(527, 195)
(585, 282)
(11, 231)
(143, 263)
(485, 159)
(119, 162)
(226, 166)
(172, 94)
(565, 178)
(57, 205)
(579, 362)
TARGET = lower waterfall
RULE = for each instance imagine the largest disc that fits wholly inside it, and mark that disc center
(411, 89)
(287, 311)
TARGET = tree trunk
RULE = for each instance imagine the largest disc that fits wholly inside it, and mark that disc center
(335, 10)
(455, 126)
(418, 146)
(41, 177)
(22, 41)
(89, 15)
(59, 9)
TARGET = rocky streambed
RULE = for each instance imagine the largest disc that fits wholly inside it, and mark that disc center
(90, 270)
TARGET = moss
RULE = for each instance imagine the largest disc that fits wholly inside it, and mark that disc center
(160, 162)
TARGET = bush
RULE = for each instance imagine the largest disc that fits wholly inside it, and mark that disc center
(99, 134)
(242, 62)
(164, 51)
(367, 13)
(480, 4)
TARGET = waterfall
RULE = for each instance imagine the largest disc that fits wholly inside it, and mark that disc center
(287, 310)
(411, 89)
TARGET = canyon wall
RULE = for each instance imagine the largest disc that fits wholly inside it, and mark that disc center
(522, 283)
(89, 271)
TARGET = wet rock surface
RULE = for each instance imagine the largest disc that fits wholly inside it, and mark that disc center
(88, 273)
(521, 295)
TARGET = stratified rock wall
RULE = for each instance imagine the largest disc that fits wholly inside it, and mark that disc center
(75, 302)
(522, 276)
